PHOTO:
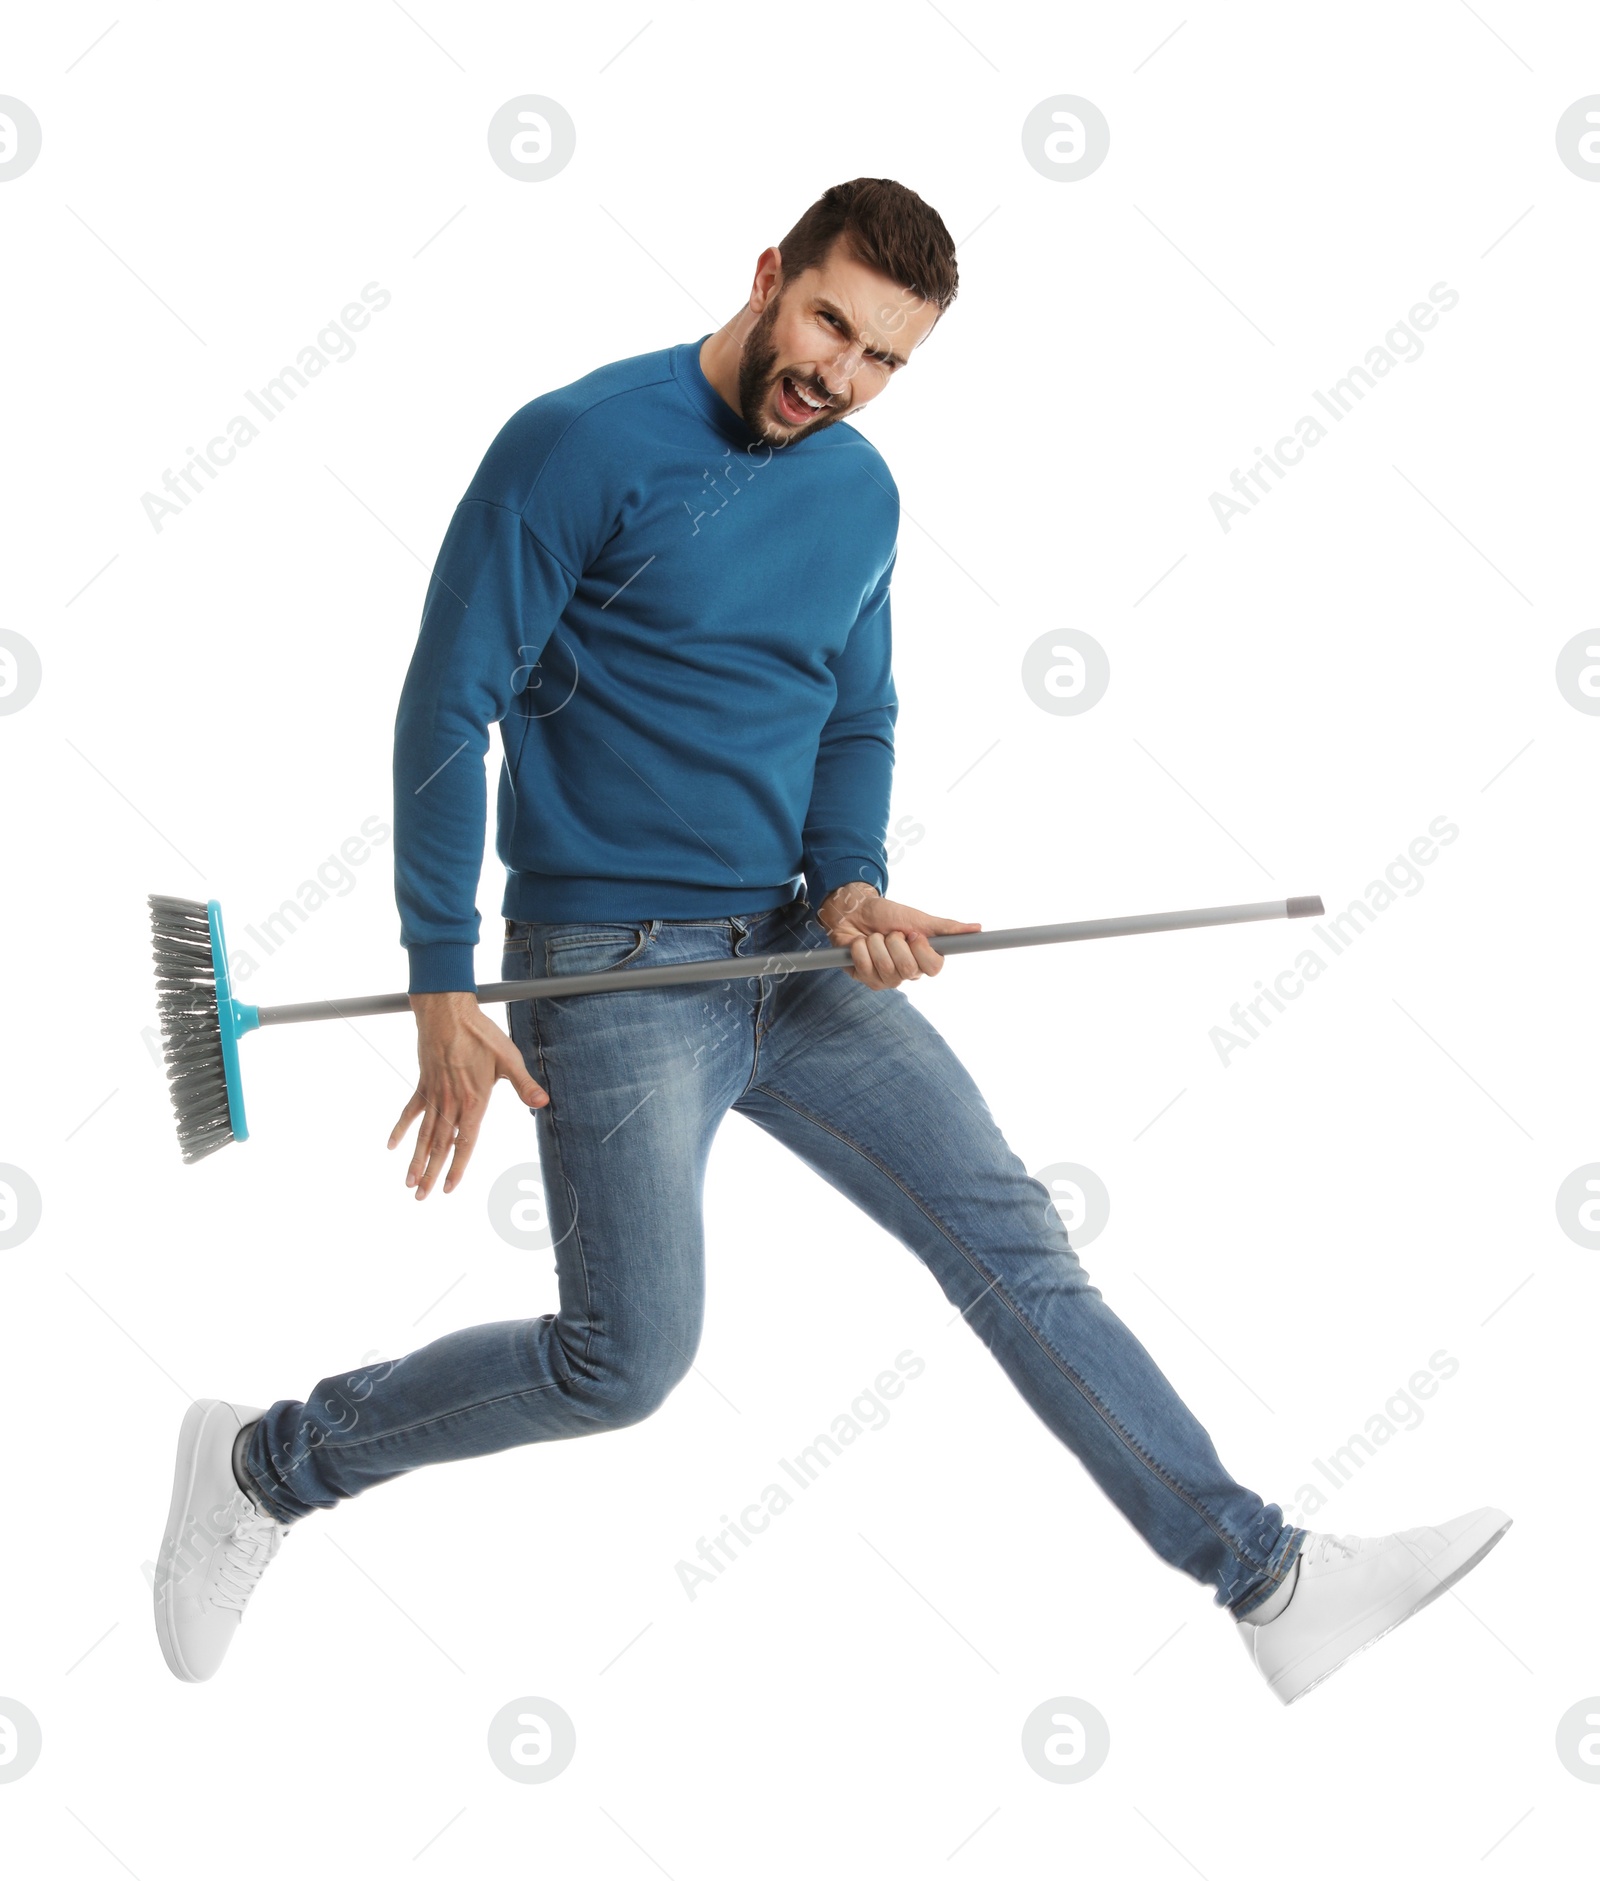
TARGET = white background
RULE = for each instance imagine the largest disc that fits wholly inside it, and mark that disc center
(1372, 1181)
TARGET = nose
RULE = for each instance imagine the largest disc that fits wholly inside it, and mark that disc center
(836, 376)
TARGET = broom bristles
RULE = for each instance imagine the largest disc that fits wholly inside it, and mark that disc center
(191, 1028)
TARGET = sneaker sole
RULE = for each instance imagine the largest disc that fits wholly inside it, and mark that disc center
(1433, 1579)
(179, 1515)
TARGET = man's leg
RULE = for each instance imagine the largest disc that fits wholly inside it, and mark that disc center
(623, 1144)
(861, 1087)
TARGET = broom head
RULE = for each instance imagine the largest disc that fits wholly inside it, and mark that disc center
(199, 1024)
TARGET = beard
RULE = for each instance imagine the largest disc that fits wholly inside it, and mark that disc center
(759, 374)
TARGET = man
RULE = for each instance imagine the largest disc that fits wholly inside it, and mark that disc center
(668, 583)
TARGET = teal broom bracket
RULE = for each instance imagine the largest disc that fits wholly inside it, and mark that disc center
(234, 1020)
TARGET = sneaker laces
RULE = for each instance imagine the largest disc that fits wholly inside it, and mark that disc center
(1325, 1550)
(243, 1557)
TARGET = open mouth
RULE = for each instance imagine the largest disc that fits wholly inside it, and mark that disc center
(797, 407)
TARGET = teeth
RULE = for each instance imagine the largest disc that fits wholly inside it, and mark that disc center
(814, 403)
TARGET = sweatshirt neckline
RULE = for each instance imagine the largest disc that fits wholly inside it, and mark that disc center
(704, 396)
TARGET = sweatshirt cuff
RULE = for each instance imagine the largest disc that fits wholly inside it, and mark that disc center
(443, 967)
(822, 881)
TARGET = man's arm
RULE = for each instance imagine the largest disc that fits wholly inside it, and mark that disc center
(849, 807)
(495, 597)
(846, 867)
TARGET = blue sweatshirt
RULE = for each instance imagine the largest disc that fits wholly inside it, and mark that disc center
(683, 634)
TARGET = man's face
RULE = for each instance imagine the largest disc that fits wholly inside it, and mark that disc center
(826, 345)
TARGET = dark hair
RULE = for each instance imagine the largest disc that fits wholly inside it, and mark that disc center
(884, 226)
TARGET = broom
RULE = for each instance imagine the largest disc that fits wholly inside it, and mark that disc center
(202, 1022)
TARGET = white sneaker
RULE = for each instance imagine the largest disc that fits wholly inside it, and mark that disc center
(217, 1543)
(1352, 1590)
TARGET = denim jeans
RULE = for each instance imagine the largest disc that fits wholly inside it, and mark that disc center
(860, 1086)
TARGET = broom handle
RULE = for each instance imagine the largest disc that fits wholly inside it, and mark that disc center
(743, 966)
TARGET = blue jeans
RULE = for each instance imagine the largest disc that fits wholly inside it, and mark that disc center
(861, 1087)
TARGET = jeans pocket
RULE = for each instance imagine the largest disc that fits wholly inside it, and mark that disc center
(595, 948)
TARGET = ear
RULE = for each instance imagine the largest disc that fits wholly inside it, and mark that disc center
(768, 278)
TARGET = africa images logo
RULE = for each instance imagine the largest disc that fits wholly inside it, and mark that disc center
(1401, 345)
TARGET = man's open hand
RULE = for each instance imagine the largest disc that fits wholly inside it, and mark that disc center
(461, 1052)
(888, 941)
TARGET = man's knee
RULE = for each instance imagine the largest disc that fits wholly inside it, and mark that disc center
(626, 1390)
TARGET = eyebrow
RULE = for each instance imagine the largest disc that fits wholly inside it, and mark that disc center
(839, 314)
